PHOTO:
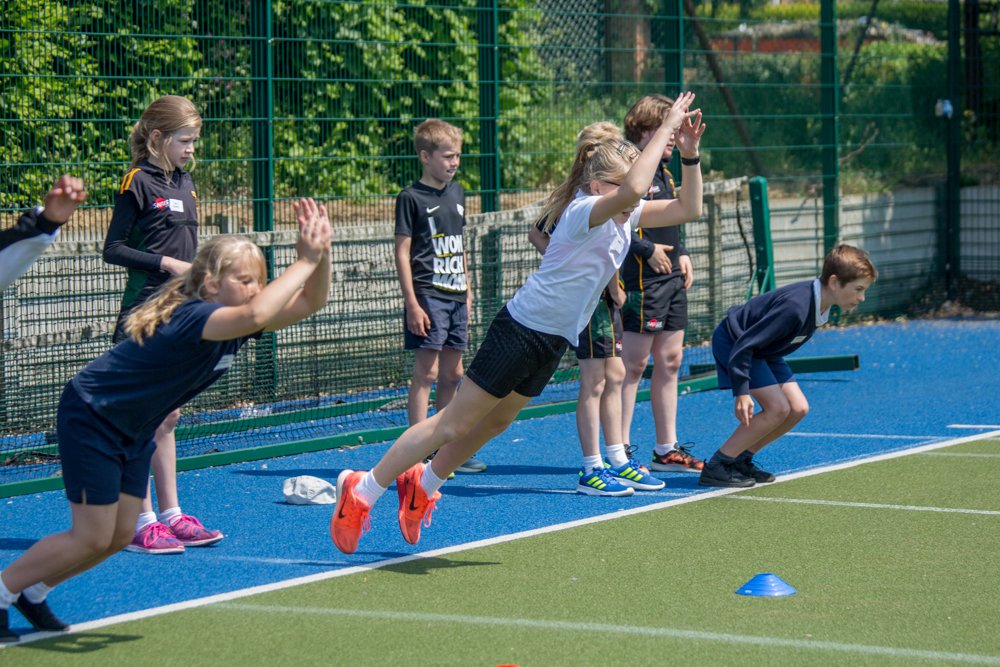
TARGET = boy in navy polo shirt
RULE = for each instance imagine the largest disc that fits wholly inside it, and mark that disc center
(430, 261)
(749, 346)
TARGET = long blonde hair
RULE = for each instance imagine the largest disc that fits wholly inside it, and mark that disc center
(215, 258)
(166, 114)
(601, 155)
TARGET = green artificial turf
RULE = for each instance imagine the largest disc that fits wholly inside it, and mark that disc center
(866, 577)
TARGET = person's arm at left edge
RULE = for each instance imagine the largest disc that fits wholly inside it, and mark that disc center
(21, 245)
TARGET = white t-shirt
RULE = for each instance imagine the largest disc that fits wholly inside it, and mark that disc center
(560, 298)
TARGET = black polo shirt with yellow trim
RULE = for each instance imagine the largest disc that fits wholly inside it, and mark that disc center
(155, 216)
(636, 272)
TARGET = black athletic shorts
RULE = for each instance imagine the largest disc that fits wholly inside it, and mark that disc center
(658, 307)
(602, 339)
(515, 358)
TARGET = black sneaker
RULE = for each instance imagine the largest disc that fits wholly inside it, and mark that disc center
(725, 475)
(747, 467)
(6, 636)
(39, 615)
(472, 466)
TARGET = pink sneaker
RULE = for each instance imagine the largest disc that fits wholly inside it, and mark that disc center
(189, 532)
(155, 539)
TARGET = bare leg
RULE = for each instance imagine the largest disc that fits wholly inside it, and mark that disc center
(668, 351)
(774, 409)
(425, 373)
(798, 408)
(97, 532)
(452, 455)
(164, 466)
(611, 400)
(588, 407)
(450, 373)
(635, 355)
(471, 403)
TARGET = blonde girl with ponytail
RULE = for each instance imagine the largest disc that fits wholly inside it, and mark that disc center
(596, 208)
(179, 343)
(154, 235)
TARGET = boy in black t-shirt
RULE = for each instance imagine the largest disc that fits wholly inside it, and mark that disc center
(430, 261)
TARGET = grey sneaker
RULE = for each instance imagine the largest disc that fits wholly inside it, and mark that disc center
(724, 475)
(746, 467)
(472, 465)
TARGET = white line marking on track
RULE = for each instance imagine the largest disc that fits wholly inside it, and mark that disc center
(524, 489)
(323, 576)
(973, 426)
(668, 633)
(866, 435)
(915, 508)
(960, 454)
(286, 561)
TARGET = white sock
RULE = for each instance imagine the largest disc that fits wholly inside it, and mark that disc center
(6, 597)
(429, 481)
(663, 449)
(368, 489)
(36, 593)
(591, 463)
(144, 520)
(616, 455)
(166, 515)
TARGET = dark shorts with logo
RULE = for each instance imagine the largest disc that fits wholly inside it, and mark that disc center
(658, 307)
(602, 339)
(449, 325)
(763, 372)
(515, 358)
(96, 456)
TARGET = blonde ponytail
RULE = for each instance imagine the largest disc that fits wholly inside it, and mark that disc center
(601, 155)
(215, 258)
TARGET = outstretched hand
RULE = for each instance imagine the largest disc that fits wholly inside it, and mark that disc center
(679, 112)
(66, 194)
(315, 232)
(690, 135)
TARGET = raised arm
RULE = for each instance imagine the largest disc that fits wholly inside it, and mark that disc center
(687, 206)
(640, 176)
(539, 239)
(258, 314)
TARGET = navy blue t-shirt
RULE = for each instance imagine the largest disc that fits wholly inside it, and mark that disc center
(769, 326)
(136, 386)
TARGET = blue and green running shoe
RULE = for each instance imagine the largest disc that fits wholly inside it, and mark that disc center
(632, 476)
(601, 483)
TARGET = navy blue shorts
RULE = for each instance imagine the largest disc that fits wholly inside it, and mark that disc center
(98, 457)
(515, 358)
(449, 325)
(763, 372)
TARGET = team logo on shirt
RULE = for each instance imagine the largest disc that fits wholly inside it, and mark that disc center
(461, 209)
(618, 346)
(654, 324)
(225, 362)
(449, 260)
(798, 339)
(173, 204)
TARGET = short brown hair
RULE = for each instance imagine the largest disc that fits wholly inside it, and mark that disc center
(848, 264)
(646, 114)
(432, 133)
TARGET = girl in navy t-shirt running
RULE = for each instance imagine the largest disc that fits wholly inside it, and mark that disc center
(179, 342)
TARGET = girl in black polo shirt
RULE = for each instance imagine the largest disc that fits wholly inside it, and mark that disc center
(110, 410)
(154, 234)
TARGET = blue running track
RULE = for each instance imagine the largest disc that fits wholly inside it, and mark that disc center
(916, 379)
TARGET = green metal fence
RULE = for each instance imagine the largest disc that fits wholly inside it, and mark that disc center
(842, 107)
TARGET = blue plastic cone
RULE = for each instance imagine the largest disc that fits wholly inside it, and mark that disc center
(766, 585)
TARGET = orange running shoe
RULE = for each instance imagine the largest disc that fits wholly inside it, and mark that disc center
(677, 460)
(350, 519)
(414, 505)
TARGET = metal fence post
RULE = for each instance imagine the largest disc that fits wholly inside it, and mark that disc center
(954, 150)
(830, 133)
(761, 210)
(489, 99)
(262, 170)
